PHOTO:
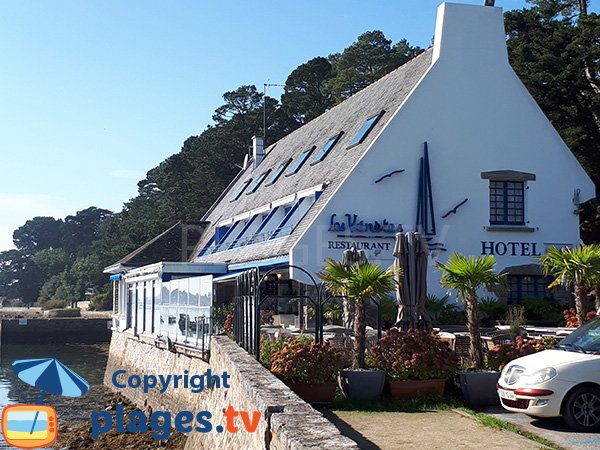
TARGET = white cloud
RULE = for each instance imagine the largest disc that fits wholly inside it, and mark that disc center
(18, 208)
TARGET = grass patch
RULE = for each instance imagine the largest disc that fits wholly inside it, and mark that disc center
(499, 424)
(419, 404)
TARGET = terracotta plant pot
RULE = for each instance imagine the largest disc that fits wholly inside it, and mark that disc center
(406, 389)
(316, 394)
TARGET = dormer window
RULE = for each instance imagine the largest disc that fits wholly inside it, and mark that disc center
(278, 172)
(299, 162)
(507, 197)
(241, 189)
(327, 148)
(258, 182)
(365, 130)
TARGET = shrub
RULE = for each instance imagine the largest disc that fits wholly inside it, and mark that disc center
(516, 319)
(302, 361)
(443, 311)
(501, 354)
(228, 324)
(221, 313)
(268, 345)
(452, 316)
(54, 303)
(539, 309)
(413, 355)
(492, 309)
(102, 301)
(570, 316)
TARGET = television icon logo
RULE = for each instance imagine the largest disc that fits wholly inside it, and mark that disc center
(29, 426)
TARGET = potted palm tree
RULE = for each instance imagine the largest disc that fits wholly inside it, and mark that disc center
(577, 267)
(467, 275)
(360, 282)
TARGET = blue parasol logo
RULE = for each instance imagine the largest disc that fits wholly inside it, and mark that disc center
(51, 376)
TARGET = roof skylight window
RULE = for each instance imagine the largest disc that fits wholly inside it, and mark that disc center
(241, 189)
(301, 159)
(365, 130)
(258, 181)
(278, 172)
(328, 146)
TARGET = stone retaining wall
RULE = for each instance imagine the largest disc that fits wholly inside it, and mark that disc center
(54, 331)
(287, 423)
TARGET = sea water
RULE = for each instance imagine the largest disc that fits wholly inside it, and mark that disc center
(87, 360)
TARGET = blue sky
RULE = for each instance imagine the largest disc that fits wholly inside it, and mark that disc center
(95, 93)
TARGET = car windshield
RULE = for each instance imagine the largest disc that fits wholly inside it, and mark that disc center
(585, 339)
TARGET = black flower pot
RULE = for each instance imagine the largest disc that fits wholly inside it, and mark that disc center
(362, 384)
(478, 388)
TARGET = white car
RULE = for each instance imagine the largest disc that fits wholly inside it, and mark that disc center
(563, 381)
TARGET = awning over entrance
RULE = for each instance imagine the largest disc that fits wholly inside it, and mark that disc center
(262, 264)
(168, 270)
(228, 276)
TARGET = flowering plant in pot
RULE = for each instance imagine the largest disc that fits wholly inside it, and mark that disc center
(502, 354)
(415, 362)
(309, 369)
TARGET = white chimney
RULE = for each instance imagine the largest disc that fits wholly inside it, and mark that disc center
(258, 150)
(470, 35)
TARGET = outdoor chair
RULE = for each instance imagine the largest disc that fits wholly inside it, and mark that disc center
(499, 337)
(461, 346)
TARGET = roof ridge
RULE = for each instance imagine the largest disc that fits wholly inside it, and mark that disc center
(365, 89)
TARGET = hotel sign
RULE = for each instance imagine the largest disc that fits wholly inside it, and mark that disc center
(500, 248)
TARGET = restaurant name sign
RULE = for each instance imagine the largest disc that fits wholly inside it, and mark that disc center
(376, 235)
(350, 223)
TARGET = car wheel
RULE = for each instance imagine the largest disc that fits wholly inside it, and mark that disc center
(582, 409)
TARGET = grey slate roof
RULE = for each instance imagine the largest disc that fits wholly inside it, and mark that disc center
(387, 94)
(175, 244)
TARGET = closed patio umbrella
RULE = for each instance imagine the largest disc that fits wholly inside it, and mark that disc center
(410, 256)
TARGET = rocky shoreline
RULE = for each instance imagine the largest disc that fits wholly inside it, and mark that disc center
(77, 435)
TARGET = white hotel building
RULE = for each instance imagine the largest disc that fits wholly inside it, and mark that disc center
(451, 143)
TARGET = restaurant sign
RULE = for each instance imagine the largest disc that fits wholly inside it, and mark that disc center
(351, 224)
(379, 234)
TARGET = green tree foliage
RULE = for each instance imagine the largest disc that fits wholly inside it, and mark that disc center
(467, 275)
(81, 230)
(20, 276)
(307, 93)
(577, 267)
(555, 49)
(37, 234)
(365, 61)
(361, 282)
(52, 261)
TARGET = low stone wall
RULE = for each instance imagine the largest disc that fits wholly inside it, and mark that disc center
(287, 423)
(138, 355)
(56, 330)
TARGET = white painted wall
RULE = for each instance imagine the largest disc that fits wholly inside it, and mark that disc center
(476, 116)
